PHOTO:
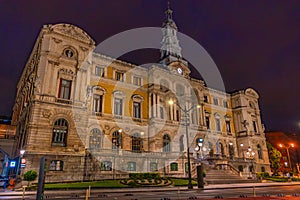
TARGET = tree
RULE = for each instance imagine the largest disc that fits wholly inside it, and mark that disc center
(274, 157)
(30, 176)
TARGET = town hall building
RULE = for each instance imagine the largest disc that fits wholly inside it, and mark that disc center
(96, 117)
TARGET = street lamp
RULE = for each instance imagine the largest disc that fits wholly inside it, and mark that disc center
(186, 111)
(288, 153)
(200, 147)
(250, 154)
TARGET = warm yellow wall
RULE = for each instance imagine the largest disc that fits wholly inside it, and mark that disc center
(111, 85)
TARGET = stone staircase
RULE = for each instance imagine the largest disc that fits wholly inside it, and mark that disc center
(224, 176)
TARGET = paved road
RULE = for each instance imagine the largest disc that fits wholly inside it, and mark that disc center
(172, 193)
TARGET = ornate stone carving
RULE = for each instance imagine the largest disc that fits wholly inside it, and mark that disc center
(56, 40)
(68, 72)
(46, 114)
(71, 31)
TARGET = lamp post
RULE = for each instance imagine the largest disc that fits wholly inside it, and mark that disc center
(250, 154)
(288, 153)
(186, 111)
(200, 148)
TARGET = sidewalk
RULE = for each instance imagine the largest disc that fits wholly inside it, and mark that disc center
(152, 189)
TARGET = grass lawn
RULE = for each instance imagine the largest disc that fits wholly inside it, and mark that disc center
(178, 182)
(107, 184)
(82, 185)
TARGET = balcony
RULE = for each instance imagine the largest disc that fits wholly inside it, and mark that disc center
(63, 101)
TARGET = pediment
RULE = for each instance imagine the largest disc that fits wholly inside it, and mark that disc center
(71, 31)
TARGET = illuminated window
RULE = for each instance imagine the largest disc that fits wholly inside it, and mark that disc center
(60, 131)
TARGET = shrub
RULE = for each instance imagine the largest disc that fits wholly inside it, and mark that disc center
(29, 176)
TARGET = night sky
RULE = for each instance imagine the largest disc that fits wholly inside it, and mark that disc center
(254, 43)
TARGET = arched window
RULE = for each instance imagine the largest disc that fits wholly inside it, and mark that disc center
(60, 131)
(96, 138)
(116, 140)
(259, 151)
(166, 143)
(137, 143)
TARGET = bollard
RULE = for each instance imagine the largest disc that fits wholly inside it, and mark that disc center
(23, 195)
(87, 194)
(89, 191)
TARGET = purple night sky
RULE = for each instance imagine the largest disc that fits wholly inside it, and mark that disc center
(254, 43)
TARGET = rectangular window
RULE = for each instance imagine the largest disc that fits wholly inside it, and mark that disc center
(207, 122)
(131, 166)
(106, 166)
(137, 81)
(225, 104)
(64, 89)
(118, 106)
(218, 125)
(119, 76)
(228, 128)
(99, 71)
(216, 101)
(97, 103)
(205, 99)
(136, 110)
(254, 126)
(153, 167)
(56, 165)
(174, 167)
(186, 167)
(161, 111)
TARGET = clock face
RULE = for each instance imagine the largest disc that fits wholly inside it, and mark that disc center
(179, 70)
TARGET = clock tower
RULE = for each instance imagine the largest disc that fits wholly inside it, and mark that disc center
(170, 50)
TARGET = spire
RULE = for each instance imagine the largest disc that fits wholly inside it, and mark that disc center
(170, 48)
